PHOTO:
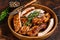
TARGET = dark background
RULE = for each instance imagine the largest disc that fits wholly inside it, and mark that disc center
(53, 4)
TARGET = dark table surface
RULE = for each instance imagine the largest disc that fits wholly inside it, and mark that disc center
(7, 35)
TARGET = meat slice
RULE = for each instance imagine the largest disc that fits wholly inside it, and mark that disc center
(46, 17)
(43, 19)
(17, 23)
(35, 29)
(23, 19)
(24, 12)
(24, 30)
(37, 20)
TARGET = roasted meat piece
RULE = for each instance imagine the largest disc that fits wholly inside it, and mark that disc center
(17, 23)
(43, 25)
(23, 19)
(37, 20)
(46, 17)
(24, 29)
(35, 29)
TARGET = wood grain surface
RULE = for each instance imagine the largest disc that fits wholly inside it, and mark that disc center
(6, 33)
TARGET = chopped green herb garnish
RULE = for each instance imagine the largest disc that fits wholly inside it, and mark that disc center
(31, 16)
